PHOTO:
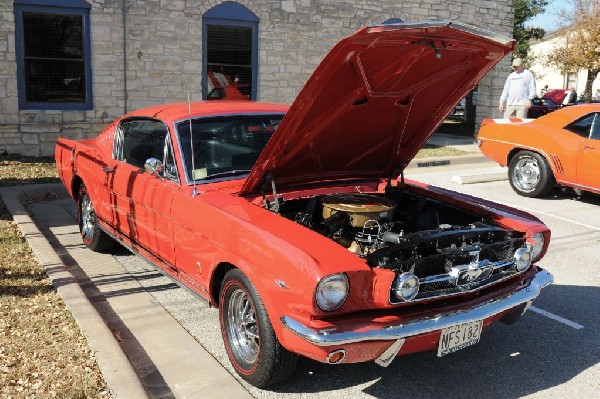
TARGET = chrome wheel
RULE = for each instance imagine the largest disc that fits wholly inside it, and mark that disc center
(530, 175)
(88, 218)
(93, 236)
(251, 343)
(526, 174)
(242, 327)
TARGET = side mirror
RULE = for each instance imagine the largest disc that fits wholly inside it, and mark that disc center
(153, 166)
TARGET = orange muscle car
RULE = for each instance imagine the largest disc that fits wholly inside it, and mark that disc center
(561, 148)
(297, 222)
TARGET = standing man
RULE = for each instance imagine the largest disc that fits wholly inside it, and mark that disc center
(518, 92)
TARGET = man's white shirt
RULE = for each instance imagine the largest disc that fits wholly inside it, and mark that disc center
(519, 87)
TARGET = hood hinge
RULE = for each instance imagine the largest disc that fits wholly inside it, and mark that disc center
(399, 171)
(268, 178)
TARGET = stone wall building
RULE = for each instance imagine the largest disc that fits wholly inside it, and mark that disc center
(69, 67)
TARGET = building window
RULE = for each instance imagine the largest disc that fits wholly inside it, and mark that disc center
(230, 53)
(571, 80)
(53, 54)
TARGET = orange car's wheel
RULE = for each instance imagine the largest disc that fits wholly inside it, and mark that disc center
(530, 175)
(251, 343)
(93, 237)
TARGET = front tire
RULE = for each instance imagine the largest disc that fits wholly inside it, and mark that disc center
(530, 175)
(92, 235)
(250, 341)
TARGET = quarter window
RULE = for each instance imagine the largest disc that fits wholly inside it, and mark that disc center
(53, 52)
(596, 128)
(583, 126)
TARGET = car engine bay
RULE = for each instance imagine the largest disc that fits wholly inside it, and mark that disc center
(450, 250)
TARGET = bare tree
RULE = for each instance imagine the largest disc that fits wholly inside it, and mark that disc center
(581, 46)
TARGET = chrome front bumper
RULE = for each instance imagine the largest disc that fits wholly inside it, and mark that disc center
(333, 336)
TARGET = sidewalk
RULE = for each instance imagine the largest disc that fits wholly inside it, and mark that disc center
(141, 349)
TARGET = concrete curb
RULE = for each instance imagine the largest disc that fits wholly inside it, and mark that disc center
(456, 160)
(479, 178)
(120, 377)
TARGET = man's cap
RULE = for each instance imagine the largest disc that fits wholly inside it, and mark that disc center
(517, 62)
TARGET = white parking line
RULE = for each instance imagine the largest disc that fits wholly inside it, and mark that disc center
(552, 316)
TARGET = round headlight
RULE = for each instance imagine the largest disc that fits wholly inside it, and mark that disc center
(537, 242)
(522, 259)
(406, 286)
(332, 291)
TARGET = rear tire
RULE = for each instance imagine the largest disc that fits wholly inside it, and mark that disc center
(530, 175)
(92, 235)
(250, 341)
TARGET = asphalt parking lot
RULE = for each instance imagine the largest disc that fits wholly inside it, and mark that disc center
(553, 351)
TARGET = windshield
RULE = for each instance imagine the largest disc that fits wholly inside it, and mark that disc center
(549, 103)
(224, 146)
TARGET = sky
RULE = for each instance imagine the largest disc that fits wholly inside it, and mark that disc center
(548, 20)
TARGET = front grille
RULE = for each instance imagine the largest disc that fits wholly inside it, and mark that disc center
(500, 251)
(441, 274)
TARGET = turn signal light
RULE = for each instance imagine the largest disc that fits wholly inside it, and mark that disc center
(336, 356)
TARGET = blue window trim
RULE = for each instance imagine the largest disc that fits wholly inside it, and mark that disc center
(392, 21)
(67, 7)
(57, 3)
(230, 13)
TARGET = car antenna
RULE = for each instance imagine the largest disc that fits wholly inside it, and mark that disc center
(194, 191)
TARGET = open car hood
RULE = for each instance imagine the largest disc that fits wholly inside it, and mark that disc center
(556, 95)
(374, 101)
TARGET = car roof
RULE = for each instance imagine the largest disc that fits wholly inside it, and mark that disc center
(180, 111)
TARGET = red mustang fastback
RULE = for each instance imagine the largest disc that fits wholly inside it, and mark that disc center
(298, 223)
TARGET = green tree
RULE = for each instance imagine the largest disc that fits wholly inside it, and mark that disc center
(524, 11)
(580, 48)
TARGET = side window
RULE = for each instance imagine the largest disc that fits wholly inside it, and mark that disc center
(582, 126)
(118, 144)
(230, 52)
(53, 54)
(138, 140)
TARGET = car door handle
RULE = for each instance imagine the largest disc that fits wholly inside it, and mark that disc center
(106, 169)
(588, 147)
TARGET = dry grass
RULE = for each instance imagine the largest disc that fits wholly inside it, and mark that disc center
(17, 170)
(42, 351)
(432, 151)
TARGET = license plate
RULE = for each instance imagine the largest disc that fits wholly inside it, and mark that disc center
(459, 336)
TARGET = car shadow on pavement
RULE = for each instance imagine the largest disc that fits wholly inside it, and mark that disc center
(563, 194)
(535, 354)
(99, 289)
